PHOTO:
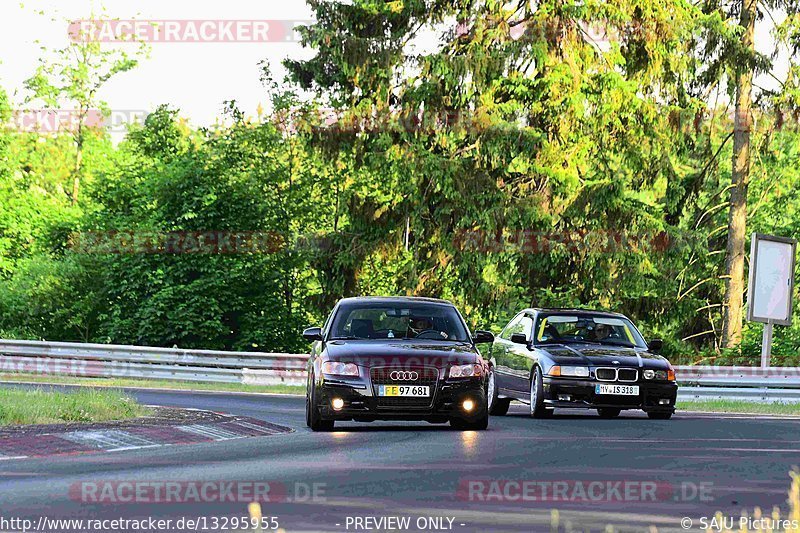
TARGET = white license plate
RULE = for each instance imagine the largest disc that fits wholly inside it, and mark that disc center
(623, 390)
(403, 390)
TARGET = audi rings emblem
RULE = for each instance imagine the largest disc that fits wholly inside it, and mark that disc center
(400, 375)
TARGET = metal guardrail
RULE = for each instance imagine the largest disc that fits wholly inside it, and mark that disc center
(261, 368)
(756, 394)
(121, 361)
(765, 385)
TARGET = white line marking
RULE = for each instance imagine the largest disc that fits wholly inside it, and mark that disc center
(254, 427)
(125, 448)
(212, 432)
(112, 439)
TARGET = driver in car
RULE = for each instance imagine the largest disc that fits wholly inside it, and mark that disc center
(417, 325)
(602, 332)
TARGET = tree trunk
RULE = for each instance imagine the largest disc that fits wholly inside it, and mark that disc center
(740, 175)
(76, 176)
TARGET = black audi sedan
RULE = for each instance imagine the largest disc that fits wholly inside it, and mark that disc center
(396, 358)
(574, 358)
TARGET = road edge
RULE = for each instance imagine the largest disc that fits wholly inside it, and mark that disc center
(48, 440)
(157, 389)
(765, 416)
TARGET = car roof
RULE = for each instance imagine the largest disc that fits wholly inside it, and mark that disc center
(395, 299)
(571, 311)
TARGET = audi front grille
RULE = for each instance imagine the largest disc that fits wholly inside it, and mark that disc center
(425, 376)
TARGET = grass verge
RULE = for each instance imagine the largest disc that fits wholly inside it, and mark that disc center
(153, 384)
(738, 406)
(42, 406)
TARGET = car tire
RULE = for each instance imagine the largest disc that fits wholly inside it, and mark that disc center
(497, 406)
(308, 411)
(659, 415)
(608, 412)
(538, 410)
(309, 388)
(500, 407)
(313, 416)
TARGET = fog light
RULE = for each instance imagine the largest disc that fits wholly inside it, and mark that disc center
(337, 403)
(468, 405)
(663, 402)
(565, 397)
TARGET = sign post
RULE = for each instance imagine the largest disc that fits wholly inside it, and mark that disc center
(769, 293)
(766, 345)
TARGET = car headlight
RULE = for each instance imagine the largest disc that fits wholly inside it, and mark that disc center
(660, 375)
(570, 371)
(339, 369)
(465, 371)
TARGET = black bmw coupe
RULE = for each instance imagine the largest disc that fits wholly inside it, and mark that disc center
(397, 358)
(575, 358)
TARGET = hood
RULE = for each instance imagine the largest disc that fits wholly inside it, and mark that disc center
(599, 355)
(401, 352)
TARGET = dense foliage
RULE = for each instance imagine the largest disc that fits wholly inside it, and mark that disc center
(520, 162)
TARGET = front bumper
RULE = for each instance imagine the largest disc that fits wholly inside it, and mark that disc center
(361, 404)
(653, 395)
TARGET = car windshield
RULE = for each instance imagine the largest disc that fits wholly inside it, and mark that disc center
(557, 329)
(365, 320)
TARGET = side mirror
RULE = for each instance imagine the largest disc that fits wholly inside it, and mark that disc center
(655, 345)
(519, 338)
(482, 336)
(312, 334)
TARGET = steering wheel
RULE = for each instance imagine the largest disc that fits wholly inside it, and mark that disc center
(430, 334)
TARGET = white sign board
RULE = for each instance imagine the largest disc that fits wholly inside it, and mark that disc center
(769, 295)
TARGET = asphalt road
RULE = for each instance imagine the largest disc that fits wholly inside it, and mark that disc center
(698, 463)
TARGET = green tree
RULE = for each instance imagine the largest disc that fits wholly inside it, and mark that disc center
(520, 120)
(74, 76)
(243, 180)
